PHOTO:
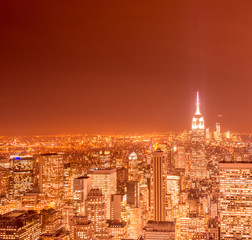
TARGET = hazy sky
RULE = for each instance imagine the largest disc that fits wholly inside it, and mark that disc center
(123, 66)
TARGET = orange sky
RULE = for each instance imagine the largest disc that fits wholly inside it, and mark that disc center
(123, 66)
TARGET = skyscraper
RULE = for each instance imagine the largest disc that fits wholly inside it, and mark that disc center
(133, 193)
(81, 188)
(198, 120)
(104, 179)
(158, 186)
(104, 156)
(96, 212)
(118, 207)
(51, 178)
(173, 190)
(133, 167)
(218, 132)
(198, 168)
(21, 177)
(235, 200)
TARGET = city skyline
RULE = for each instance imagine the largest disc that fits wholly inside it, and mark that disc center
(123, 67)
(125, 120)
(197, 105)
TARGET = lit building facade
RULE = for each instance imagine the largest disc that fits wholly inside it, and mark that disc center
(159, 230)
(20, 225)
(21, 176)
(173, 191)
(135, 226)
(29, 201)
(81, 188)
(5, 178)
(104, 156)
(81, 228)
(198, 167)
(188, 227)
(51, 176)
(104, 179)
(180, 160)
(96, 211)
(235, 203)
(133, 173)
(118, 229)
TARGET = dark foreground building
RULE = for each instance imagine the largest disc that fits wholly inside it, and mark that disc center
(20, 225)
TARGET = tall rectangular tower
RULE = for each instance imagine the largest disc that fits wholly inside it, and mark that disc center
(158, 186)
(104, 179)
(198, 168)
(81, 188)
(21, 176)
(96, 211)
(51, 178)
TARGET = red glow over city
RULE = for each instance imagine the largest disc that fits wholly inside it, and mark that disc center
(123, 67)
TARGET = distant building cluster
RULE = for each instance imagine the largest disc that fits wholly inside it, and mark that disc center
(193, 185)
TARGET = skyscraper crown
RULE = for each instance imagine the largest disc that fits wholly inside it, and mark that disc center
(198, 120)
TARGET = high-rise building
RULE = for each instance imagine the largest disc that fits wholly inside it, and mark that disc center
(133, 173)
(173, 187)
(51, 178)
(144, 203)
(159, 230)
(158, 186)
(104, 156)
(121, 179)
(81, 228)
(5, 179)
(218, 132)
(118, 207)
(135, 226)
(70, 174)
(81, 188)
(133, 193)
(21, 176)
(68, 211)
(96, 212)
(198, 120)
(198, 168)
(104, 179)
(173, 190)
(235, 202)
(20, 225)
(180, 161)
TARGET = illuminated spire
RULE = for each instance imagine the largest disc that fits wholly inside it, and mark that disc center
(197, 105)
(198, 120)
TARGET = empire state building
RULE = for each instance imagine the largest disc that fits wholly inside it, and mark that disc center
(198, 168)
(198, 120)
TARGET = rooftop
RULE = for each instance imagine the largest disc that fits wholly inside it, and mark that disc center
(163, 226)
(102, 171)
